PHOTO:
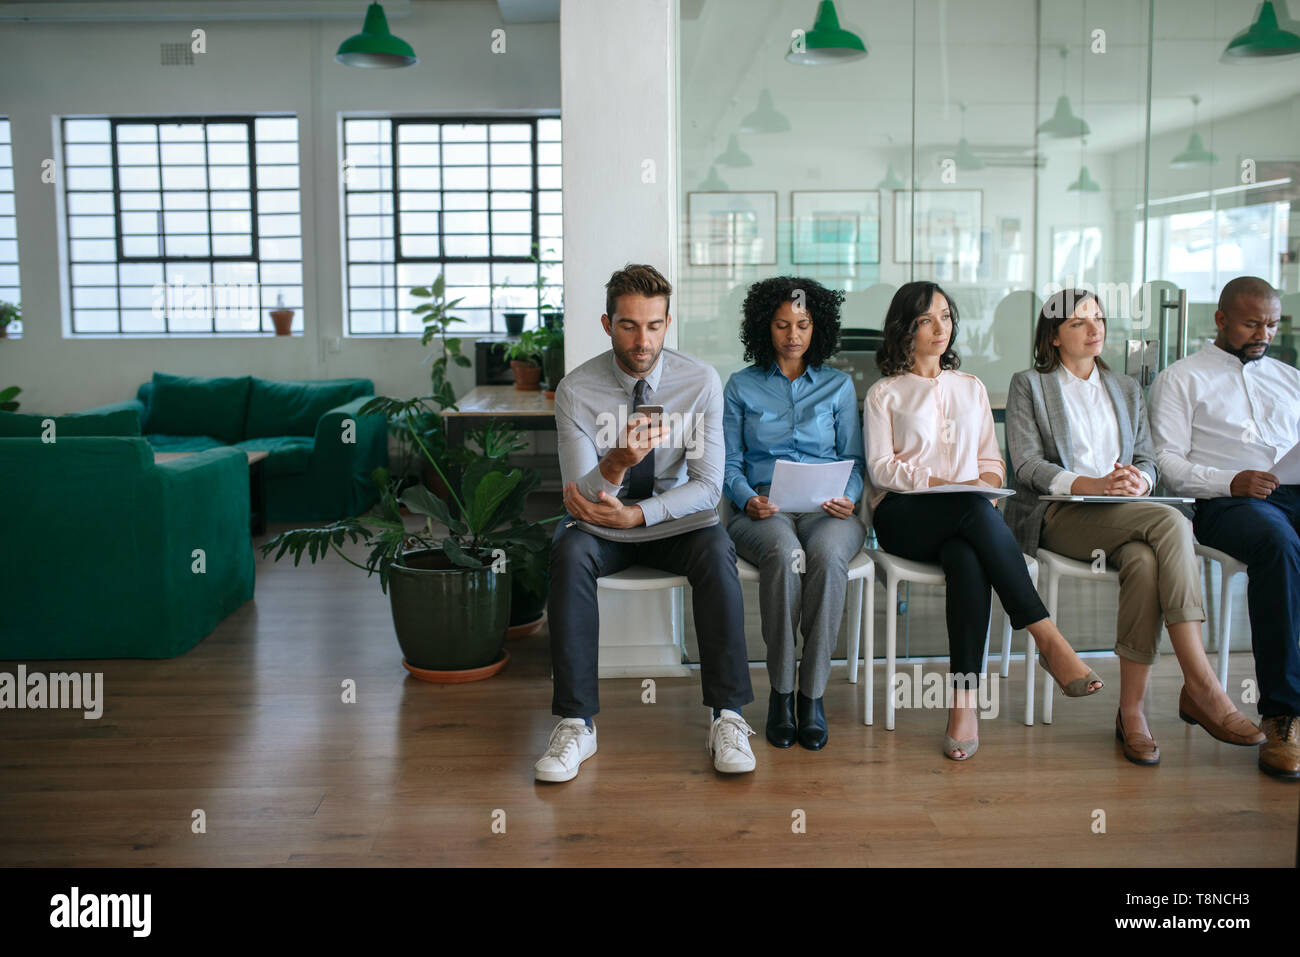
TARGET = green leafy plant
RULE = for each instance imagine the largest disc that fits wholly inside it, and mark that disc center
(9, 312)
(7, 401)
(545, 305)
(527, 348)
(490, 504)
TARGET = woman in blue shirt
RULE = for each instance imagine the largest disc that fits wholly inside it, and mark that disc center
(790, 405)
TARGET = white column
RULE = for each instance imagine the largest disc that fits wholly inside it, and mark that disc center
(618, 89)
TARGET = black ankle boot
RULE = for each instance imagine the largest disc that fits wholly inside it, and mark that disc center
(780, 719)
(812, 723)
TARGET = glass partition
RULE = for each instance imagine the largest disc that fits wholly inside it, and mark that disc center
(1004, 149)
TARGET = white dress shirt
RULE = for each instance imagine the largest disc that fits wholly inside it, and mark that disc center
(1094, 430)
(597, 396)
(1213, 416)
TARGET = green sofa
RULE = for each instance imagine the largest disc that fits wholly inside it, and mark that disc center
(109, 555)
(316, 470)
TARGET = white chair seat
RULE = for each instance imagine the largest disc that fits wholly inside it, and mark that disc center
(1057, 567)
(1230, 568)
(893, 571)
(641, 578)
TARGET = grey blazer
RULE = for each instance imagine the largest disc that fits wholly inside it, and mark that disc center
(1039, 445)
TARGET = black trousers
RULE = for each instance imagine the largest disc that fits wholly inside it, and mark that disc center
(707, 557)
(965, 534)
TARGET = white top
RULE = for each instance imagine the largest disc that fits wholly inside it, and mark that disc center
(1094, 430)
(1213, 416)
(917, 427)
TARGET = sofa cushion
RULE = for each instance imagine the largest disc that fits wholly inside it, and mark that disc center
(294, 408)
(289, 454)
(162, 442)
(22, 425)
(189, 405)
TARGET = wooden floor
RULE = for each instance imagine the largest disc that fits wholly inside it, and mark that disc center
(249, 726)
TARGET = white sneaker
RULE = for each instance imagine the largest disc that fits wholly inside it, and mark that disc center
(572, 742)
(729, 743)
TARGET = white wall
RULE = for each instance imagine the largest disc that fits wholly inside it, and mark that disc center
(48, 70)
(620, 102)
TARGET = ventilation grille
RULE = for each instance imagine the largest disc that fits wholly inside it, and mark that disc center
(176, 54)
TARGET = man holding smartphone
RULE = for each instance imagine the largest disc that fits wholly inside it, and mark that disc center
(624, 471)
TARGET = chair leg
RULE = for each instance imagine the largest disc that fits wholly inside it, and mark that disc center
(1212, 636)
(1049, 686)
(891, 638)
(1225, 624)
(869, 648)
(1005, 670)
(855, 629)
(1031, 659)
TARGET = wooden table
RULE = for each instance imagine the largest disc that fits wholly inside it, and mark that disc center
(530, 411)
(256, 483)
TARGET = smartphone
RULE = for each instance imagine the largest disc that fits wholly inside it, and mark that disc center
(653, 412)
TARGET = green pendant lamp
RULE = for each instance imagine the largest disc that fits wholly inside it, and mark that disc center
(734, 155)
(826, 42)
(1085, 183)
(891, 180)
(765, 119)
(713, 183)
(1263, 38)
(1196, 154)
(374, 46)
(1063, 123)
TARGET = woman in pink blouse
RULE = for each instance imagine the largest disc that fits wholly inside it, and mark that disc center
(928, 425)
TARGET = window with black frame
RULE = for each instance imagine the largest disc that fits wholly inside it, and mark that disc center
(475, 199)
(182, 225)
(10, 291)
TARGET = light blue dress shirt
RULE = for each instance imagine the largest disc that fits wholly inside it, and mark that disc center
(766, 417)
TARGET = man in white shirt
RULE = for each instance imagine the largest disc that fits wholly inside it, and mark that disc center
(664, 472)
(1221, 419)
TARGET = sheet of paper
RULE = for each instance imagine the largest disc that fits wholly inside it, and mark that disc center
(1119, 499)
(978, 490)
(803, 486)
(1287, 468)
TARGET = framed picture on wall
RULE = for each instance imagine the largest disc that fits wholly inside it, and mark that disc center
(731, 229)
(834, 227)
(946, 231)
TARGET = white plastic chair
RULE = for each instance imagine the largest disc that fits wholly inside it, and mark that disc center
(894, 570)
(1055, 568)
(862, 574)
(1229, 568)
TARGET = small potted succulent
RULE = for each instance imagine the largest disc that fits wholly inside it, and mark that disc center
(282, 317)
(9, 312)
(525, 355)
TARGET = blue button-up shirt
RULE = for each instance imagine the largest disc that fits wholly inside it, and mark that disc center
(767, 417)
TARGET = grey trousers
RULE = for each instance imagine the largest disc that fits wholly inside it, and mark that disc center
(803, 560)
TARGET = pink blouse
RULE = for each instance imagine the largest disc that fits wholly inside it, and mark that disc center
(916, 428)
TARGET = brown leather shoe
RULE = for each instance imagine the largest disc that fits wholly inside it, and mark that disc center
(1137, 747)
(1280, 755)
(1233, 728)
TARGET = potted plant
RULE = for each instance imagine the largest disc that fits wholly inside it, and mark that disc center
(451, 587)
(9, 312)
(525, 355)
(436, 316)
(282, 317)
(7, 401)
(553, 356)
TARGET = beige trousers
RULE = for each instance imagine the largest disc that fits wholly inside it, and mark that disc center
(1151, 546)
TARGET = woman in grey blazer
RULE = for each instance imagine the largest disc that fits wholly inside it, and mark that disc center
(1076, 428)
